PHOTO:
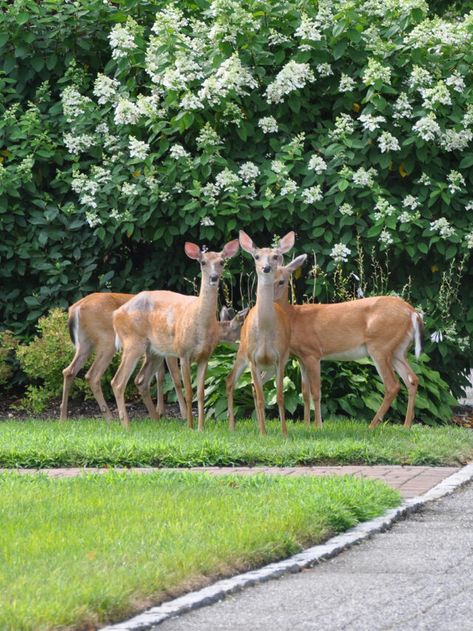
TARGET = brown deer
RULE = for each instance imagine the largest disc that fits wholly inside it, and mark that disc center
(91, 329)
(381, 328)
(265, 335)
(166, 324)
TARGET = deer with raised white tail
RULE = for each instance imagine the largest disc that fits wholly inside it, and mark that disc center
(167, 324)
(382, 328)
(90, 323)
(265, 335)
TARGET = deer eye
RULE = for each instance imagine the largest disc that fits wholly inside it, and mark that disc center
(275, 256)
(203, 263)
(257, 257)
(281, 282)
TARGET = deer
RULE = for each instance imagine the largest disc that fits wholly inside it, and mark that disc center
(265, 334)
(166, 324)
(381, 327)
(91, 329)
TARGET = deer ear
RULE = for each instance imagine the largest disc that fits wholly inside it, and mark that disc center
(287, 242)
(230, 249)
(296, 263)
(193, 251)
(246, 242)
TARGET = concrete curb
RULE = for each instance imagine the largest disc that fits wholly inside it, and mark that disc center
(296, 563)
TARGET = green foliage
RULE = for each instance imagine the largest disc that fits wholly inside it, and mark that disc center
(8, 344)
(86, 573)
(44, 359)
(168, 443)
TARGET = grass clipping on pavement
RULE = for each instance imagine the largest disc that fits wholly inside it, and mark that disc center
(168, 443)
(82, 551)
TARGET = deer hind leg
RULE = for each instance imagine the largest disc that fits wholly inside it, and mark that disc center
(186, 378)
(239, 366)
(305, 391)
(82, 353)
(259, 397)
(173, 368)
(129, 360)
(312, 368)
(94, 375)
(280, 393)
(153, 364)
(391, 385)
(404, 370)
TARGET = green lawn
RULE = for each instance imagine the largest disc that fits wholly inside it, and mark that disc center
(169, 443)
(87, 550)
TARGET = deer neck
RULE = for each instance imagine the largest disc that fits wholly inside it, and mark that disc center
(265, 304)
(283, 300)
(207, 303)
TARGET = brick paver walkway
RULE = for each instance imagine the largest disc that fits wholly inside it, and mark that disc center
(410, 480)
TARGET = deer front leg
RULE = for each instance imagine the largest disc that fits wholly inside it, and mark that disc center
(173, 368)
(201, 371)
(259, 397)
(94, 375)
(80, 357)
(152, 365)
(313, 375)
(238, 368)
(130, 358)
(280, 392)
(186, 378)
(391, 386)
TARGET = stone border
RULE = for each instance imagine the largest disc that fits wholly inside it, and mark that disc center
(307, 558)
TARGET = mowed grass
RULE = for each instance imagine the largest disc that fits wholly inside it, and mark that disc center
(82, 551)
(168, 443)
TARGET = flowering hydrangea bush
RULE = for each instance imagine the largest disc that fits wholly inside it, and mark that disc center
(348, 121)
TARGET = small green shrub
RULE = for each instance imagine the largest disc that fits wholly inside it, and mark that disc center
(348, 389)
(44, 359)
(8, 344)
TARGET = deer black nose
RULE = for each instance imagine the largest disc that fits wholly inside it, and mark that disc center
(214, 278)
(266, 269)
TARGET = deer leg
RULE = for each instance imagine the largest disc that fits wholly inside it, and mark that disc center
(94, 375)
(391, 386)
(160, 374)
(173, 368)
(281, 364)
(313, 374)
(238, 368)
(130, 358)
(186, 378)
(305, 390)
(259, 397)
(411, 381)
(81, 355)
(201, 371)
(153, 364)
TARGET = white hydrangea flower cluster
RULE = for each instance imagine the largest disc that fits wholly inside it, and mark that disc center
(364, 177)
(410, 202)
(419, 77)
(190, 102)
(425, 180)
(312, 195)
(208, 137)
(230, 76)
(469, 240)
(122, 39)
(383, 209)
(277, 166)
(78, 143)
(227, 181)
(230, 19)
(126, 112)
(177, 152)
(324, 70)
(370, 122)
(340, 253)
(344, 126)
(455, 181)
(308, 29)
(73, 103)
(347, 84)
(148, 104)
(437, 33)
(375, 71)
(456, 80)
(452, 140)
(443, 227)
(346, 209)
(25, 169)
(138, 149)
(469, 206)
(385, 238)
(289, 187)
(276, 39)
(268, 124)
(248, 172)
(85, 188)
(427, 128)
(105, 89)
(402, 107)
(406, 216)
(317, 164)
(293, 76)
(207, 221)
(388, 142)
(438, 94)
(129, 190)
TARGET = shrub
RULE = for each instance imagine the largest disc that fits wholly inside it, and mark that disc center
(8, 344)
